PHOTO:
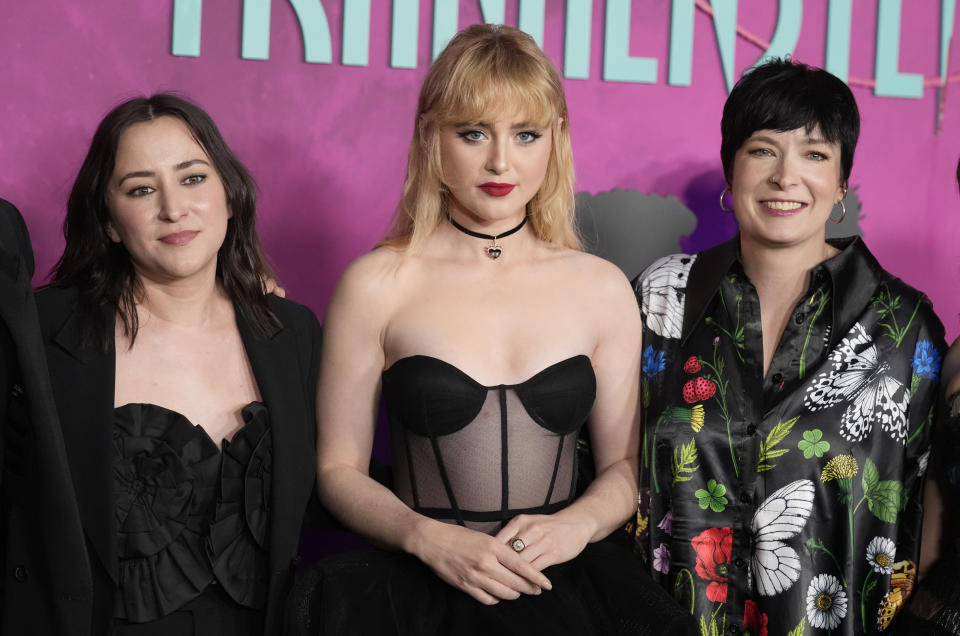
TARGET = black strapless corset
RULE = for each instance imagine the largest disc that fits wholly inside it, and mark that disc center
(479, 455)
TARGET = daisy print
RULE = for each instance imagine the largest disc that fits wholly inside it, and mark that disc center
(880, 555)
(826, 602)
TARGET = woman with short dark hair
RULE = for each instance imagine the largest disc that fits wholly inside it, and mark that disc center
(788, 383)
(186, 395)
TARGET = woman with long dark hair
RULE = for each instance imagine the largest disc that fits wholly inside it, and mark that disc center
(185, 393)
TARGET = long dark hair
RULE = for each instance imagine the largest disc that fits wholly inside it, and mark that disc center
(101, 269)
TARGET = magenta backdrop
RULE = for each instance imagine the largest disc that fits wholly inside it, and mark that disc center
(327, 142)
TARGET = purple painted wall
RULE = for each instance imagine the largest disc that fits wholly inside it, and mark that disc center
(327, 142)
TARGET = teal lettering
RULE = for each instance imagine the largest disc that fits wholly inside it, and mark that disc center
(680, 68)
(785, 36)
(404, 33)
(839, 19)
(725, 26)
(445, 17)
(618, 66)
(356, 33)
(530, 18)
(576, 39)
(493, 11)
(186, 28)
(255, 39)
(948, 9)
(890, 81)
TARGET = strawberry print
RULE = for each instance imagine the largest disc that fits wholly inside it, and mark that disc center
(692, 365)
(704, 388)
(690, 392)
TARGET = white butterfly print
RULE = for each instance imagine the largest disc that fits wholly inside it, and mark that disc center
(859, 376)
(662, 289)
(775, 566)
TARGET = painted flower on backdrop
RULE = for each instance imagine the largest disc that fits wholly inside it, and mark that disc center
(713, 497)
(813, 443)
(926, 360)
(754, 621)
(653, 361)
(881, 552)
(826, 602)
(666, 524)
(661, 558)
(713, 547)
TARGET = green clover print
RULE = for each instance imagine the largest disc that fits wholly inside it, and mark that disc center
(813, 443)
(713, 496)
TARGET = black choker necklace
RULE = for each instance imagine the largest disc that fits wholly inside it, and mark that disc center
(493, 250)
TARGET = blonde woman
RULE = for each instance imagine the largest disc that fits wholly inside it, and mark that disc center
(493, 339)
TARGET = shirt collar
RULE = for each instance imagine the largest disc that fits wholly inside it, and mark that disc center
(853, 276)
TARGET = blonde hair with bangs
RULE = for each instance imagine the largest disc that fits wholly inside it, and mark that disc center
(487, 71)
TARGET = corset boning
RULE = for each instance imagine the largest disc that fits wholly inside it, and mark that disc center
(479, 455)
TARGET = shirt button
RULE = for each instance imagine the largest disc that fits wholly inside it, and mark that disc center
(777, 378)
(798, 318)
(734, 629)
(745, 498)
(739, 562)
(751, 429)
(20, 573)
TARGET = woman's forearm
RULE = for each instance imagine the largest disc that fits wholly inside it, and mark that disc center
(370, 509)
(608, 501)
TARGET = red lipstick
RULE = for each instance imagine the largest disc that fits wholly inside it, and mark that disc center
(179, 238)
(497, 189)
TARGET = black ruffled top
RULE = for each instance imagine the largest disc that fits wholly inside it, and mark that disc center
(188, 515)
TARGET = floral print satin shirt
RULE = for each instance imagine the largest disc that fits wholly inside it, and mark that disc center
(788, 504)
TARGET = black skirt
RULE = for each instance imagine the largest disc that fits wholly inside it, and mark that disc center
(604, 591)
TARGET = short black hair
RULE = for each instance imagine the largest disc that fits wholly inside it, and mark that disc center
(784, 95)
(101, 269)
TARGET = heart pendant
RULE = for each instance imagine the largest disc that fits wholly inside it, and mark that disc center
(494, 251)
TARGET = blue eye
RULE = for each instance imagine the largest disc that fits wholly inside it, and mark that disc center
(761, 152)
(528, 136)
(817, 156)
(471, 136)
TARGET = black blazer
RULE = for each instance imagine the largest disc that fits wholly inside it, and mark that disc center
(285, 365)
(46, 585)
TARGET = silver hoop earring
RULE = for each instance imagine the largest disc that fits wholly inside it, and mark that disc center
(722, 195)
(843, 213)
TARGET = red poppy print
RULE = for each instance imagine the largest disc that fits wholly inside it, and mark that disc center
(692, 365)
(754, 621)
(713, 547)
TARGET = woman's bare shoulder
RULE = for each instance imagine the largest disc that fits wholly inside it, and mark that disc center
(597, 273)
(370, 281)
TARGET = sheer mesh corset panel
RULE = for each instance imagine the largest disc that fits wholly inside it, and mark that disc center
(479, 455)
